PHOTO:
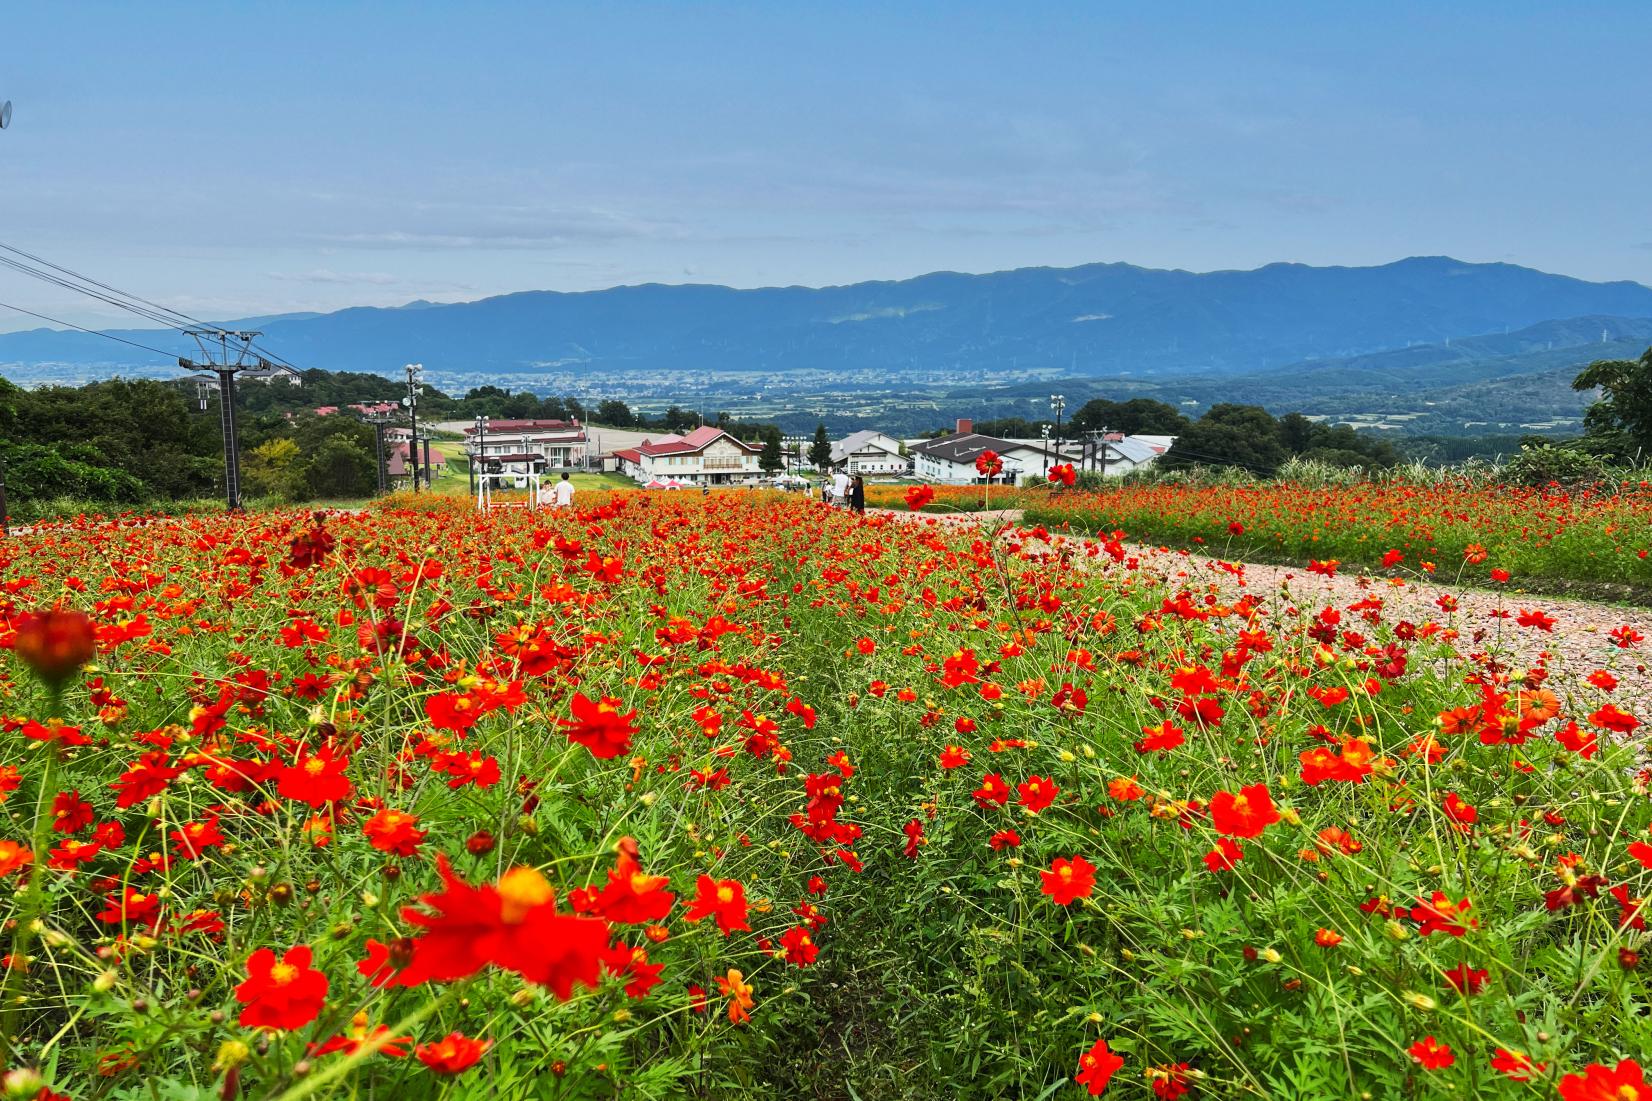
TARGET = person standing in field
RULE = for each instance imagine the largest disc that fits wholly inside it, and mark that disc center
(564, 493)
(840, 489)
(857, 495)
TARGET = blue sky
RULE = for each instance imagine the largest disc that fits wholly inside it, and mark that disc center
(233, 159)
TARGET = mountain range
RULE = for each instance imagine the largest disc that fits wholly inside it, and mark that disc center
(1385, 324)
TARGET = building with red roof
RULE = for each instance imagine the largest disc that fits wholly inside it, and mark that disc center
(562, 444)
(705, 456)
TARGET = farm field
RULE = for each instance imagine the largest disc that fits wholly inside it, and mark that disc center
(677, 796)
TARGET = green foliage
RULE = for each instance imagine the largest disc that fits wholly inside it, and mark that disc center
(1133, 417)
(1543, 464)
(771, 459)
(820, 451)
(1620, 422)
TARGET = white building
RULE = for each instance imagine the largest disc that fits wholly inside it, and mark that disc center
(950, 460)
(561, 443)
(706, 456)
(869, 452)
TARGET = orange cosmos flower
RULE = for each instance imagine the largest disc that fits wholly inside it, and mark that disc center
(738, 991)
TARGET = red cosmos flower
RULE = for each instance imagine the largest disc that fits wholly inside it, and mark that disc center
(800, 946)
(1463, 815)
(914, 831)
(994, 791)
(988, 464)
(1170, 1081)
(192, 839)
(954, 756)
(1610, 718)
(1063, 474)
(55, 644)
(1625, 1082)
(453, 1055)
(1165, 736)
(724, 899)
(1516, 1064)
(281, 994)
(1036, 793)
(513, 925)
(131, 907)
(1005, 839)
(1067, 881)
(70, 813)
(1225, 856)
(317, 779)
(1440, 915)
(1467, 980)
(633, 897)
(919, 496)
(394, 831)
(378, 1038)
(1430, 1054)
(456, 711)
(1625, 637)
(1245, 814)
(1327, 938)
(1096, 1068)
(310, 548)
(600, 726)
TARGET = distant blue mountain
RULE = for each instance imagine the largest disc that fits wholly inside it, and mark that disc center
(1095, 320)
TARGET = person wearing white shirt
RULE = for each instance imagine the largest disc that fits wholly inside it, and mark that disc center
(840, 489)
(564, 493)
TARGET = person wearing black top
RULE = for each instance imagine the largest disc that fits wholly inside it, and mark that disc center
(857, 495)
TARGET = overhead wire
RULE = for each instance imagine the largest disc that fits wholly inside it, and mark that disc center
(90, 332)
(166, 316)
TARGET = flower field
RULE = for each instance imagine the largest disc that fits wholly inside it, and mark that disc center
(1445, 531)
(739, 796)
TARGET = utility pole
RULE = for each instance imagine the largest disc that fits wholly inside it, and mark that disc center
(412, 403)
(224, 353)
(1058, 402)
(1045, 431)
(1102, 444)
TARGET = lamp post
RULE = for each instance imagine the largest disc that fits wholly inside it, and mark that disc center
(412, 403)
(1058, 402)
(1044, 430)
(481, 448)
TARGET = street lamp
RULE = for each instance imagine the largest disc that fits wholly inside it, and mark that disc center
(1044, 430)
(412, 403)
(481, 448)
(1058, 402)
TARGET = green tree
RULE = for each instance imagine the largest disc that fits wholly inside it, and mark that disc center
(1138, 415)
(1619, 423)
(615, 414)
(1231, 435)
(268, 471)
(339, 467)
(820, 452)
(770, 459)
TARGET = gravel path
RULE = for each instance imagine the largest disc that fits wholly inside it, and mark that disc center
(1577, 641)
